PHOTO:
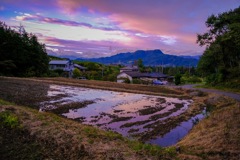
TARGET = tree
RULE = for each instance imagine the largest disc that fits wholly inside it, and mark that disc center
(177, 79)
(140, 65)
(221, 59)
(76, 73)
(21, 53)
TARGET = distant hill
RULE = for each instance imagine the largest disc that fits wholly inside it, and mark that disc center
(149, 57)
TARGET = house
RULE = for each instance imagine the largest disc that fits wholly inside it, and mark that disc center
(65, 65)
(128, 75)
(138, 75)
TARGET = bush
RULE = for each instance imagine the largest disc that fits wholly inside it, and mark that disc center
(177, 79)
(53, 74)
(8, 119)
(137, 81)
(76, 73)
(126, 80)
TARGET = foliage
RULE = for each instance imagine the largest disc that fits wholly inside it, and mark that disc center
(8, 119)
(177, 79)
(190, 79)
(137, 81)
(96, 71)
(55, 58)
(21, 54)
(221, 59)
(140, 65)
(76, 73)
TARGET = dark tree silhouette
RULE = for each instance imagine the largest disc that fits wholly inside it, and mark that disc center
(21, 54)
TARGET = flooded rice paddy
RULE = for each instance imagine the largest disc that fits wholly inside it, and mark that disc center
(144, 117)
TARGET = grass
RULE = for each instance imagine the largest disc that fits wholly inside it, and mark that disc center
(218, 135)
(49, 136)
(28, 134)
(19, 91)
(221, 88)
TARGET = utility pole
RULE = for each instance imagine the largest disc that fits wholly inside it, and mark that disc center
(162, 66)
(102, 71)
(189, 69)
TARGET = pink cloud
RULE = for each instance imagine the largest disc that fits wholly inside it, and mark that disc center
(169, 25)
(96, 48)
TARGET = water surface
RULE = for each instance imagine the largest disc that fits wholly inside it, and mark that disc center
(126, 113)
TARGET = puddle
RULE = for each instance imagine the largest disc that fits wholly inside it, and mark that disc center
(177, 133)
(126, 113)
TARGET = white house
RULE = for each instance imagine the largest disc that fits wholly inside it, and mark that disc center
(65, 65)
(138, 75)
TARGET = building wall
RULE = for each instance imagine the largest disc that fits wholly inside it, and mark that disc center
(122, 76)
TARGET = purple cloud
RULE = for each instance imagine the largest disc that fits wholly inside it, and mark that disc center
(39, 18)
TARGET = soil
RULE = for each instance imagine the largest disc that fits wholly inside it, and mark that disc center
(32, 93)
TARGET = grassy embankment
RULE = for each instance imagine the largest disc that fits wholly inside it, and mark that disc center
(221, 88)
(29, 134)
(218, 135)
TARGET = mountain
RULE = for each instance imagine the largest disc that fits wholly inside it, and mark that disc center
(194, 57)
(149, 57)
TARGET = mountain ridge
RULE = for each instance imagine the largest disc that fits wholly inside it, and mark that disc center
(149, 57)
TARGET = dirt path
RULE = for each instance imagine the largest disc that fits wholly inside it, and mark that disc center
(229, 94)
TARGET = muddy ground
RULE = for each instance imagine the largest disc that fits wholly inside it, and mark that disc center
(32, 93)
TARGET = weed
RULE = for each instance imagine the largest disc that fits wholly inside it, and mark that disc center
(3, 102)
(9, 119)
(171, 151)
(112, 135)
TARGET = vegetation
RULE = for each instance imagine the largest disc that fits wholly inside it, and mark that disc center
(96, 71)
(177, 79)
(217, 136)
(76, 73)
(220, 63)
(27, 133)
(42, 135)
(21, 54)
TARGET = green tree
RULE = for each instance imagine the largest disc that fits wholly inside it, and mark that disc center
(221, 59)
(140, 65)
(177, 79)
(21, 53)
(76, 73)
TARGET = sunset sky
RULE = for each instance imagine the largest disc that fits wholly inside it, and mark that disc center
(100, 28)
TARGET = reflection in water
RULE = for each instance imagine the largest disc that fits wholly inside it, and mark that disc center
(177, 133)
(125, 113)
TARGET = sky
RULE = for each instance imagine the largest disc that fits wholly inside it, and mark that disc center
(101, 28)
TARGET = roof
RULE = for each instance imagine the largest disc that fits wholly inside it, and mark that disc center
(157, 75)
(78, 66)
(130, 68)
(58, 62)
(148, 75)
(135, 74)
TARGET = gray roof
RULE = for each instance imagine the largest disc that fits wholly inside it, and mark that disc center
(157, 75)
(147, 75)
(134, 74)
(78, 66)
(58, 62)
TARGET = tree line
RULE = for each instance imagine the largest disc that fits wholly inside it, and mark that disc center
(21, 54)
(220, 62)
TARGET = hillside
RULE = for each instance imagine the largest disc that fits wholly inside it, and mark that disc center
(149, 57)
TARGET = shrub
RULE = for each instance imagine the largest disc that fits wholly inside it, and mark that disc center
(76, 73)
(9, 119)
(177, 79)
